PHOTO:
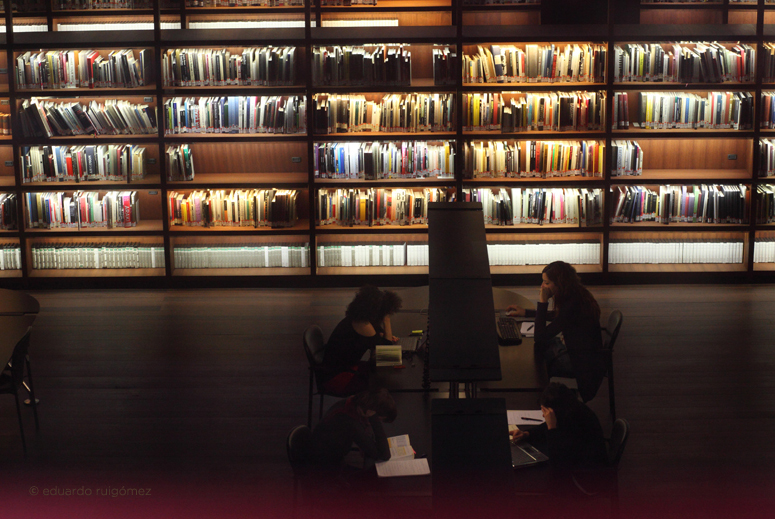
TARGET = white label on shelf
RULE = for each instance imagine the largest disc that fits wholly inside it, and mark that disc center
(151, 161)
(8, 163)
(3, 71)
(153, 192)
(147, 99)
(295, 159)
(4, 101)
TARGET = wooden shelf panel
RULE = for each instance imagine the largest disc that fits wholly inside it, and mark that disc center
(415, 227)
(231, 36)
(684, 225)
(731, 175)
(677, 267)
(301, 225)
(55, 39)
(268, 271)
(383, 136)
(532, 180)
(96, 273)
(764, 267)
(382, 182)
(535, 226)
(207, 179)
(10, 273)
(100, 185)
(370, 271)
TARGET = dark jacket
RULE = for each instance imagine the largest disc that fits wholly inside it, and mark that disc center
(583, 339)
(346, 347)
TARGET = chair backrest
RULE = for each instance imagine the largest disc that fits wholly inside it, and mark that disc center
(298, 447)
(619, 434)
(18, 357)
(612, 329)
(314, 345)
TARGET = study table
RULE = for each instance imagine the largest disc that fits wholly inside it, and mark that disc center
(12, 330)
(13, 302)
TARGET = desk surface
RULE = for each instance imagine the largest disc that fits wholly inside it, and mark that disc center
(13, 329)
(13, 302)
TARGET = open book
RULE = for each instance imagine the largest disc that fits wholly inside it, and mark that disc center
(388, 355)
(402, 462)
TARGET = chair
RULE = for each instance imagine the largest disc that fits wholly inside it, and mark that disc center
(314, 347)
(611, 333)
(619, 434)
(297, 448)
(12, 380)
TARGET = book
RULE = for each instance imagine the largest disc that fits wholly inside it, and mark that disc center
(388, 355)
(412, 467)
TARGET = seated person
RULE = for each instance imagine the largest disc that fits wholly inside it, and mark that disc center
(571, 435)
(571, 344)
(354, 420)
(366, 324)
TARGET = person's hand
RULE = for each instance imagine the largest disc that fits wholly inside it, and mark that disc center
(517, 435)
(395, 339)
(549, 417)
(515, 311)
(544, 294)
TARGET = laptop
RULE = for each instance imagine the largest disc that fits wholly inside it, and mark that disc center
(409, 343)
(525, 455)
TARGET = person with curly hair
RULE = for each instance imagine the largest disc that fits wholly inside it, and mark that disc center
(571, 344)
(366, 324)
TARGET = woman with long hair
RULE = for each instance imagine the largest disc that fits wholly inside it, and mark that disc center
(571, 344)
(365, 325)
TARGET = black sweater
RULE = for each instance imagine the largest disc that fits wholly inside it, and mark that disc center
(583, 339)
(346, 347)
(343, 426)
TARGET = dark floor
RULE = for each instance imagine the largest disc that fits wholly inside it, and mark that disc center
(189, 394)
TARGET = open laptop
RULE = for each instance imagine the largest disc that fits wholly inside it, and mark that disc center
(524, 455)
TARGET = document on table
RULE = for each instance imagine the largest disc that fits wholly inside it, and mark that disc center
(400, 448)
(395, 468)
(524, 417)
(528, 329)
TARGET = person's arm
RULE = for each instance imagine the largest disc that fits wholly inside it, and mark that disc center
(375, 445)
(543, 332)
(387, 329)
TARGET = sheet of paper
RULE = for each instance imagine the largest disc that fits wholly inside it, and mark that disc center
(401, 453)
(527, 329)
(390, 469)
(519, 417)
(399, 441)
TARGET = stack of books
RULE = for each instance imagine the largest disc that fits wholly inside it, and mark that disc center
(393, 113)
(626, 159)
(237, 208)
(687, 110)
(231, 256)
(362, 66)
(111, 162)
(514, 254)
(375, 206)
(42, 118)
(373, 255)
(10, 257)
(180, 163)
(536, 64)
(674, 251)
(97, 256)
(83, 69)
(384, 160)
(82, 209)
(8, 211)
(236, 114)
(255, 66)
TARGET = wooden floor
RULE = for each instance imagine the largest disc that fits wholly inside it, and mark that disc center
(190, 393)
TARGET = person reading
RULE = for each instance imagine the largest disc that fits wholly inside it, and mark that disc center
(356, 420)
(571, 435)
(366, 324)
(571, 344)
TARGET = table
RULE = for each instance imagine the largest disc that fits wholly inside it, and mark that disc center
(13, 302)
(13, 329)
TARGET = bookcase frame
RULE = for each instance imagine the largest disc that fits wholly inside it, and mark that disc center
(458, 35)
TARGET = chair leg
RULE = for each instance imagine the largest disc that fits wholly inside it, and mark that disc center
(309, 401)
(611, 397)
(320, 415)
(31, 390)
(21, 425)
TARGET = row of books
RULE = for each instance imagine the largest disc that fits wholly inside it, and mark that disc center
(66, 5)
(180, 163)
(82, 209)
(8, 211)
(445, 66)
(684, 204)
(674, 251)
(10, 257)
(236, 208)
(83, 69)
(236, 114)
(765, 204)
(764, 250)
(112, 162)
(582, 207)
(5, 123)
(551, 111)
(245, 3)
(768, 110)
(375, 206)
(534, 159)
(536, 64)
(250, 256)
(768, 72)
(693, 62)
(626, 158)
(42, 118)
(514, 254)
(372, 255)
(362, 66)
(97, 256)
(766, 157)
(384, 160)
(256, 66)
(393, 113)
(686, 110)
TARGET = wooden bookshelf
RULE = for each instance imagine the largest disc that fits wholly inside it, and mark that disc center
(286, 161)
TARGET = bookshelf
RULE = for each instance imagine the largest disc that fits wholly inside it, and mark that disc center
(303, 60)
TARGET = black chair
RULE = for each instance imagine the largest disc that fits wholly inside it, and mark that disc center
(297, 448)
(619, 434)
(12, 381)
(611, 333)
(314, 347)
